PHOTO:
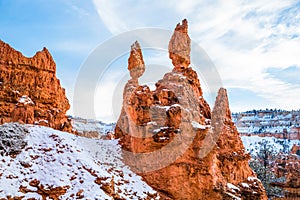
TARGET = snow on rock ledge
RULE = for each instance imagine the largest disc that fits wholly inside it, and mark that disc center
(196, 125)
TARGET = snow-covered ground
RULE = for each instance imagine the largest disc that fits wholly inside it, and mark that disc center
(253, 144)
(57, 158)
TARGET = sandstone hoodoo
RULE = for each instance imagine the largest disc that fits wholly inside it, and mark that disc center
(136, 65)
(29, 90)
(171, 138)
(179, 46)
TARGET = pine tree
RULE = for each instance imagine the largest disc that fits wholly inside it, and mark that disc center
(262, 164)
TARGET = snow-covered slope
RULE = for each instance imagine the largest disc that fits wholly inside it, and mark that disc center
(279, 129)
(84, 168)
(253, 144)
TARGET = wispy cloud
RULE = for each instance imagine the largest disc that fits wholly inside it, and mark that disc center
(288, 75)
(112, 21)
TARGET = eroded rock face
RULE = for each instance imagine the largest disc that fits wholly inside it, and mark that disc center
(232, 160)
(288, 165)
(29, 90)
(137, 99)
(136, 65)
(179, 46)
(295, 149)
(181, 148)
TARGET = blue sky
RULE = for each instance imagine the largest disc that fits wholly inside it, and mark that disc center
(255, 45)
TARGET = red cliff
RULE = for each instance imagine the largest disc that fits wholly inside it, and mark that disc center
(29, 90)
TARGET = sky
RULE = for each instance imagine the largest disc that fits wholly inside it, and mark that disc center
(254, 45)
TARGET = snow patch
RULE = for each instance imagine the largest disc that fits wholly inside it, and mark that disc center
(233, 196)
(196, 125)
(25, 100)
(232, 187)
(245, 185)
(252, 179)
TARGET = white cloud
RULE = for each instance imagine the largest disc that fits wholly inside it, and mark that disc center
(107, 12)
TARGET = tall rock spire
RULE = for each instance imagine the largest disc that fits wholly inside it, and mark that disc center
(180, 46)
(221, 107)
(136, 65)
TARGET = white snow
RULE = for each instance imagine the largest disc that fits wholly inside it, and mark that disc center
(232, 187)
(25, 100)
(160, 129)
(61, 159)
(196, 125)
(12, 138)
(233, 196)
(152, 123)
(43, 120)
(179, 75)
(253, 143)
(245, 185)
(163, 107)
(208, 121)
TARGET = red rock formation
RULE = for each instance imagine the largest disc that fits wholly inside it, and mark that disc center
(179, 46)
(294, 133)
(24, 111)
(288, 165)
(295, 149)
(33, 79)
(167, 137)
(130, 111)
(136, 64)
(232, 160)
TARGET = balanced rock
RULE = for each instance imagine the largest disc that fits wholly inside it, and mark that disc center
(136, 64)
(179, 46)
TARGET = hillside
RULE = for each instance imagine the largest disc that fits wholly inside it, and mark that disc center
(56, 164)
(277, 123)
(272, 138)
